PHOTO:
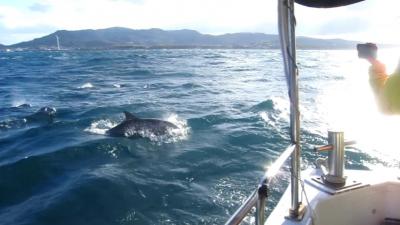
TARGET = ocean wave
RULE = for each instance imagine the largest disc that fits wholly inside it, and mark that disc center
(214, 56)
(274, 112)
(262, 106)
(227, 131)
(191, 85)
(140, 72)
(98, 60)
(276, 104)
(86, 86)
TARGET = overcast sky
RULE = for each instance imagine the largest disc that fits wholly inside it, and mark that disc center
(22, 20)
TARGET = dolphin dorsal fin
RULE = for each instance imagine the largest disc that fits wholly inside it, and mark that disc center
(130, 116)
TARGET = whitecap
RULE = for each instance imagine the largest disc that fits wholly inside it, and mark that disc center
(264, 116)
(100, 126)
(268, 119)
(117, 85)
(87, 85)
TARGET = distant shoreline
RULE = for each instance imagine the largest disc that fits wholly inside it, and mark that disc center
(125, 38)
(172, 48)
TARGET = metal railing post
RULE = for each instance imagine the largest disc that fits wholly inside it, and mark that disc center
(260, 206)
(243, 210)
(258, 197)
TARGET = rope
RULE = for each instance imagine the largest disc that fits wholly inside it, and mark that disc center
(303, 190)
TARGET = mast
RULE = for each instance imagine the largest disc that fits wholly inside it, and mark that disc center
(58, 43)
(287, 35)
(287, 23)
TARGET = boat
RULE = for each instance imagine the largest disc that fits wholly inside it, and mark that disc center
(327, 194)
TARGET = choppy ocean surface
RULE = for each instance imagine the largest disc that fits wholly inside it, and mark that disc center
(230, 106)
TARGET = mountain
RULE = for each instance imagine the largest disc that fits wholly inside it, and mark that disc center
(118, 37)
(314, 43)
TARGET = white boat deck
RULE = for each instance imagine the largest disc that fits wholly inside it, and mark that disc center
(377, 199)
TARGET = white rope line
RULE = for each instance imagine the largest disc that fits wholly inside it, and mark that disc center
(303, 190)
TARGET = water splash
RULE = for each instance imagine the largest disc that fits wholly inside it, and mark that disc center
(183, 130)
(172, 135)
(100, 126)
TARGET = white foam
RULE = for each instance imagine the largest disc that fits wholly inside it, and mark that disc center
(180, 133)
(100, 126)
(87, 85)
(264, 116)
(268, 119)
(117, 85)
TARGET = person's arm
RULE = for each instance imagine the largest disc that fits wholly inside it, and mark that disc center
(377, 69)
(377, 73)
(377, 80)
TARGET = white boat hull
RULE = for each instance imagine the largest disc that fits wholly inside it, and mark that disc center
(377, 199)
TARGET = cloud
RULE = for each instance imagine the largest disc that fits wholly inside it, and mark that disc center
(343, 26)
(38, 7)
(15, 35)
(207, 16)
(132, 1)
(369, 20)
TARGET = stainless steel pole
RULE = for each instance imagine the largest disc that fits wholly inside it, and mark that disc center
(260, 210)
(287, 24)
(336, 158)
(294, 112)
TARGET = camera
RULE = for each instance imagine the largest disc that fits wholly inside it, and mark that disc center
(367, 50)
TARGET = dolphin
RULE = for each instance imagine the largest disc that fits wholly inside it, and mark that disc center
(22, 106)
(133, 126)
(45, 114)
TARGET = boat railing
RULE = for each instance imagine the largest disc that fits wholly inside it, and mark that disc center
(259, 196)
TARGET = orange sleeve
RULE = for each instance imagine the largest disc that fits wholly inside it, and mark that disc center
(377, 77)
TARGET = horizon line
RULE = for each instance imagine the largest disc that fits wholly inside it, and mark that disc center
(155, 28)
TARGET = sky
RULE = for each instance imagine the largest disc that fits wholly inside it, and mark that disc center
(371, 20)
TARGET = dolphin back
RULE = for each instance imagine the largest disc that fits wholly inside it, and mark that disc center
(130, 116)
(133, 126)
(45, 114)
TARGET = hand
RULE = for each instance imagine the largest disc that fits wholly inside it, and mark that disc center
(372, 60)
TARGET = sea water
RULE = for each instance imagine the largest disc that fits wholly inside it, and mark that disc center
(232, 110)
